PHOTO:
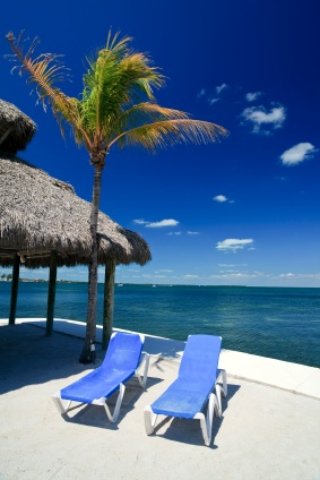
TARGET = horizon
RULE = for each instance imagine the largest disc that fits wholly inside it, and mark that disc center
(241, 212)
(123, 284)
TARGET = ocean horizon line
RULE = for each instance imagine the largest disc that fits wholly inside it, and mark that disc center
(154, 284)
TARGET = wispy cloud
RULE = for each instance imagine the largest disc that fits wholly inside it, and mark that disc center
(140, 221)
(220, 88)
(166, 222)
(298, 153)
(201, 93)
(234, 244)
(212, 96)
(231, 276)
(179, 233)
(262, 120)
(253, 96)
(213, 100)
(300, 276)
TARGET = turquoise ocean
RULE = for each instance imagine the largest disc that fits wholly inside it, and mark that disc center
(281, 323)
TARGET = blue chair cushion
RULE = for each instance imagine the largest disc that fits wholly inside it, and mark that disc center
(120, 363)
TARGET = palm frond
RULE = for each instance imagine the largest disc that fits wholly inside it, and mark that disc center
(116, 79)
(140, 76)
(147, 112)
(117, 103)
(119, 46)
(170, 132)
(44, 71)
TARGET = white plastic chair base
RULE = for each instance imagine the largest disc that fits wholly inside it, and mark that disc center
(206, 420)
(221, 388)
(142, 376)
(64, 407)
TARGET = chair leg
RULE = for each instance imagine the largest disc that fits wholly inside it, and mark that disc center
(206, 421)
(144, 377)
(218, 391)
(113, 417)
(60, 406)
(223, 374)
(221, 388)
(150, 419)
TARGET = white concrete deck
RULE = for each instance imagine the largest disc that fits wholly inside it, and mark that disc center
(265, 432)
(288, 376)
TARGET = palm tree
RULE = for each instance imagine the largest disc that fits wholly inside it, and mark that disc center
(116, 107)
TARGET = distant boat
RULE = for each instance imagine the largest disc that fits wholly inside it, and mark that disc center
(154, 286)
(119, 284)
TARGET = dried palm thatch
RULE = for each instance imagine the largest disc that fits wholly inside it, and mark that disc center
(16, 129)
(39, 214)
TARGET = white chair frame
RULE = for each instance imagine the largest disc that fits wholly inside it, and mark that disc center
(206, 419)
(141, 374)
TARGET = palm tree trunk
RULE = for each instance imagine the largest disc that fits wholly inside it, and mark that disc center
(88, 353)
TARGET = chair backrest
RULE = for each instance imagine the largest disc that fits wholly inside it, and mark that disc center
(200, 358)
(123, 352)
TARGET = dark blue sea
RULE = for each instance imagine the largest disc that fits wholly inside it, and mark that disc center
(281, 323)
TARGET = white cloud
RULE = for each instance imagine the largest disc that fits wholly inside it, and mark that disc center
(189, 232)
(298, 153)
(253, 96)
(233, 244)
(190, 276)
(177, 234)
(293, 276)
(140, 221)
(166, 222)
(234, 276)
(220, 198)
(264, 121)
(220, 88)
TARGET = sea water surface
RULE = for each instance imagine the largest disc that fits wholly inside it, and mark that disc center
(282, 323)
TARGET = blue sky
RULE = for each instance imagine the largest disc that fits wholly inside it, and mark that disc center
(244, 211)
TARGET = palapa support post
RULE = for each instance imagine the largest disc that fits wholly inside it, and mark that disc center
(14, 289)
(51, 292)
(108, 302)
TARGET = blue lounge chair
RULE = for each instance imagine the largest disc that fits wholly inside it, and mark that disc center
(123, 360)
(199, 386)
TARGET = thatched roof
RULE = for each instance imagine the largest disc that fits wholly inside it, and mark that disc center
(16, 129)
(39, 214)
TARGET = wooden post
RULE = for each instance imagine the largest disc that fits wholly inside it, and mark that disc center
(108, 302)
(51, 292)
(14, 289)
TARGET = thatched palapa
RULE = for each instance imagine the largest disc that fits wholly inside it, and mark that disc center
(16, 129)
(43, 223)
(39, 214)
